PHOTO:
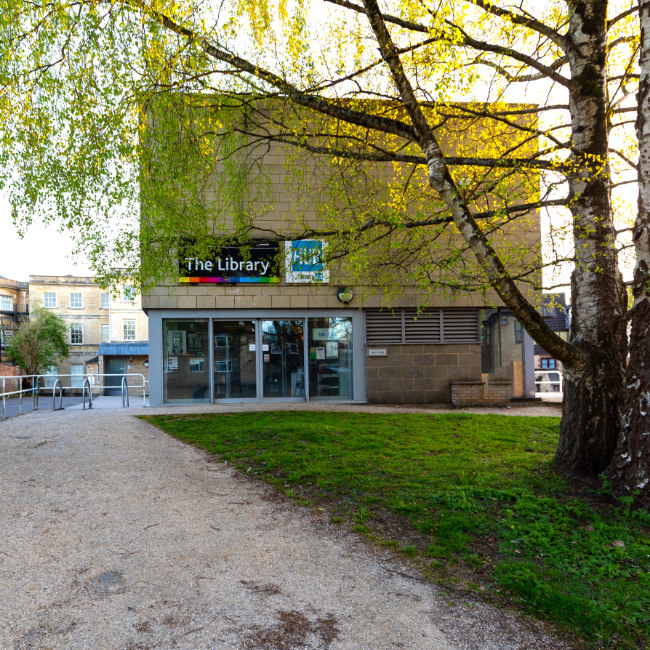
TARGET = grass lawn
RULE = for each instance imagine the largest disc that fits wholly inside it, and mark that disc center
(473, 498)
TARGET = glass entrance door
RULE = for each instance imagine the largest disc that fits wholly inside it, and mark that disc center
(283, 359)
(234, 359)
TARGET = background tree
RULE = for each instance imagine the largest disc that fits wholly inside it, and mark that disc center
(40, 342)
(80, 80)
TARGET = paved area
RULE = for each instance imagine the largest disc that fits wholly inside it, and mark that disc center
(13, 407)
(115, 535)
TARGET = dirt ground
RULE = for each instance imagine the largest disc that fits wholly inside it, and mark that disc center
(115, 535)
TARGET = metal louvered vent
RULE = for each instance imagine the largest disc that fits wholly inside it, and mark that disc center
(422, 327)
(383, 327)
(460, 326)
(429, 326)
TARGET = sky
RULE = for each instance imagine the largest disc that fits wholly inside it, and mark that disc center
(43, 250)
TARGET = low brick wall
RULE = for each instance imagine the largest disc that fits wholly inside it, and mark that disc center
(8, 377)
(419, 374)
(499, 393)
(480, 393)
(467, 393)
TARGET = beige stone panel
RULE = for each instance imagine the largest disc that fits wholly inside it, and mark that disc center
(196, 290)
(234, 291)
(332, 302)
(372, 301)
(255, 290)
(244, 302)
(187, 302)
(317, 302)
(262, 302)
(225, 302)
(168, 302)
(206, 302)
(299, 302)
(280, 302)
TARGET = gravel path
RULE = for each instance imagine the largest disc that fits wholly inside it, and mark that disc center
(115, 535)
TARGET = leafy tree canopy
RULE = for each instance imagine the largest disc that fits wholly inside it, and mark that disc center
(39, 342)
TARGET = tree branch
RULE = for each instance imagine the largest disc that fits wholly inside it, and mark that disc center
(440, 180)
(525, 21)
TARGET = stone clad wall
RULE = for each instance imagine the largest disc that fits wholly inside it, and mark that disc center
(420, 374)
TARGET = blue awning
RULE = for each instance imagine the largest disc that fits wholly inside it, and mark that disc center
(126, 349)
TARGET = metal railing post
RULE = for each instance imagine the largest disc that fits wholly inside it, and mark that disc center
(35, 393)
(125, 392)
(90, 394)
(58, 383)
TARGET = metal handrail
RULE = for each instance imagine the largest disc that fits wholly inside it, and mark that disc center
(90, 394)
(125, 392)
(548, 381)
(20, 392)
(60, 385)
(87, 385)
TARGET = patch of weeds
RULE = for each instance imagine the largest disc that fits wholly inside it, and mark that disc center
(361, 529)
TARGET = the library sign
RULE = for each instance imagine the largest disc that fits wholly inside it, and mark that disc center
(257, 263)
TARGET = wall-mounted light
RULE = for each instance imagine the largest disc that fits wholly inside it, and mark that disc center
(146, 364)
(345, 294)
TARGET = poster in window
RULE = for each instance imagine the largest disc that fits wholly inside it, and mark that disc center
(172, 364)
(332, 350)
(194, 343)
(176, 342)
(320, 353)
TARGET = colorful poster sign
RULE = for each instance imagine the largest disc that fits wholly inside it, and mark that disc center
(257, 264)
(305, 261)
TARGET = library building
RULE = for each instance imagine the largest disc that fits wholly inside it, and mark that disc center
(286, 321)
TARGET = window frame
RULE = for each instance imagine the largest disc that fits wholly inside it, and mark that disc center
(73, 301)
(74, 382)
(4, 298)
(128, 294)
(48, 296)
(105, 298)
(130, 321)
(76, 328)
(105, 327)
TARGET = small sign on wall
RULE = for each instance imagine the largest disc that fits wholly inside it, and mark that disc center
(305, 261)
(377, 352)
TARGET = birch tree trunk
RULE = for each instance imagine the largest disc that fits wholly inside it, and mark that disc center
(630, 469)
(595, 383)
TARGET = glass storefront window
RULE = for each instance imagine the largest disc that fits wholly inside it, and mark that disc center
(283, 358)
(185, 360)
(235, 369)
(330, 358)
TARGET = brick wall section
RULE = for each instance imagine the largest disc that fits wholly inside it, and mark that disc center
(498, 393)
(480, 393)
(7, 377)
(467, 393)
(419, 374)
